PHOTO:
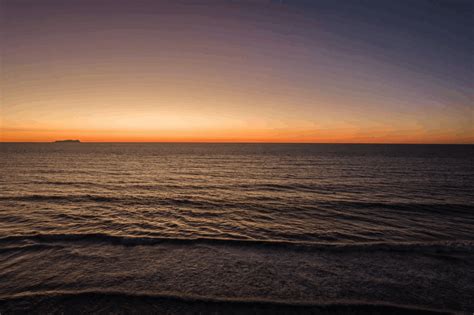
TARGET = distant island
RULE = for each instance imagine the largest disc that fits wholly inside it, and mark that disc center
(67, 141)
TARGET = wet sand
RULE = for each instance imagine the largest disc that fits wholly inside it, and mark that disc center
(93, 303)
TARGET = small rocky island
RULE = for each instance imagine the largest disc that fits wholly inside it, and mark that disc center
(67, 141)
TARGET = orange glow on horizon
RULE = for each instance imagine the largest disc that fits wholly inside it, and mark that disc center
(230, 136)
(168, 71)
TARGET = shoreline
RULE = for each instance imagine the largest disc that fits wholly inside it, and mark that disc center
(209, 278)
(117, 302)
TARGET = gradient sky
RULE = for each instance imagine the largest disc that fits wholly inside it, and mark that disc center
(275, 71)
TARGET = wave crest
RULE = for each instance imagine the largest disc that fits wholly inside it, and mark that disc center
(424, 247)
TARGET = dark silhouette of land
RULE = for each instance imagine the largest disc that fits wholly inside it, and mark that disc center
(67, 141)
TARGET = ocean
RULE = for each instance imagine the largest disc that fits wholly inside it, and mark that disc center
(193, 227)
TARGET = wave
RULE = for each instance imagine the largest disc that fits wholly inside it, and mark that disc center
(283, 187)
(177, 303)
(126, 200)
(420, 247)
(61, 198)
(29, 247)
(447, 208)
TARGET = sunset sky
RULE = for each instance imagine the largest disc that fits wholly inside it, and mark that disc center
(246, 71)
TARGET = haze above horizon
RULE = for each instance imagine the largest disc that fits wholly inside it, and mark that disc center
(225, 71)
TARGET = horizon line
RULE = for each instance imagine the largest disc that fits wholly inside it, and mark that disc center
(247, 142)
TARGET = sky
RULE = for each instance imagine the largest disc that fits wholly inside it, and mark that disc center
(354, 71)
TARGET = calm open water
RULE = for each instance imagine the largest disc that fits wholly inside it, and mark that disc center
(280, 222)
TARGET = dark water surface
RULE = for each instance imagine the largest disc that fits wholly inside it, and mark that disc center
(279, 223)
